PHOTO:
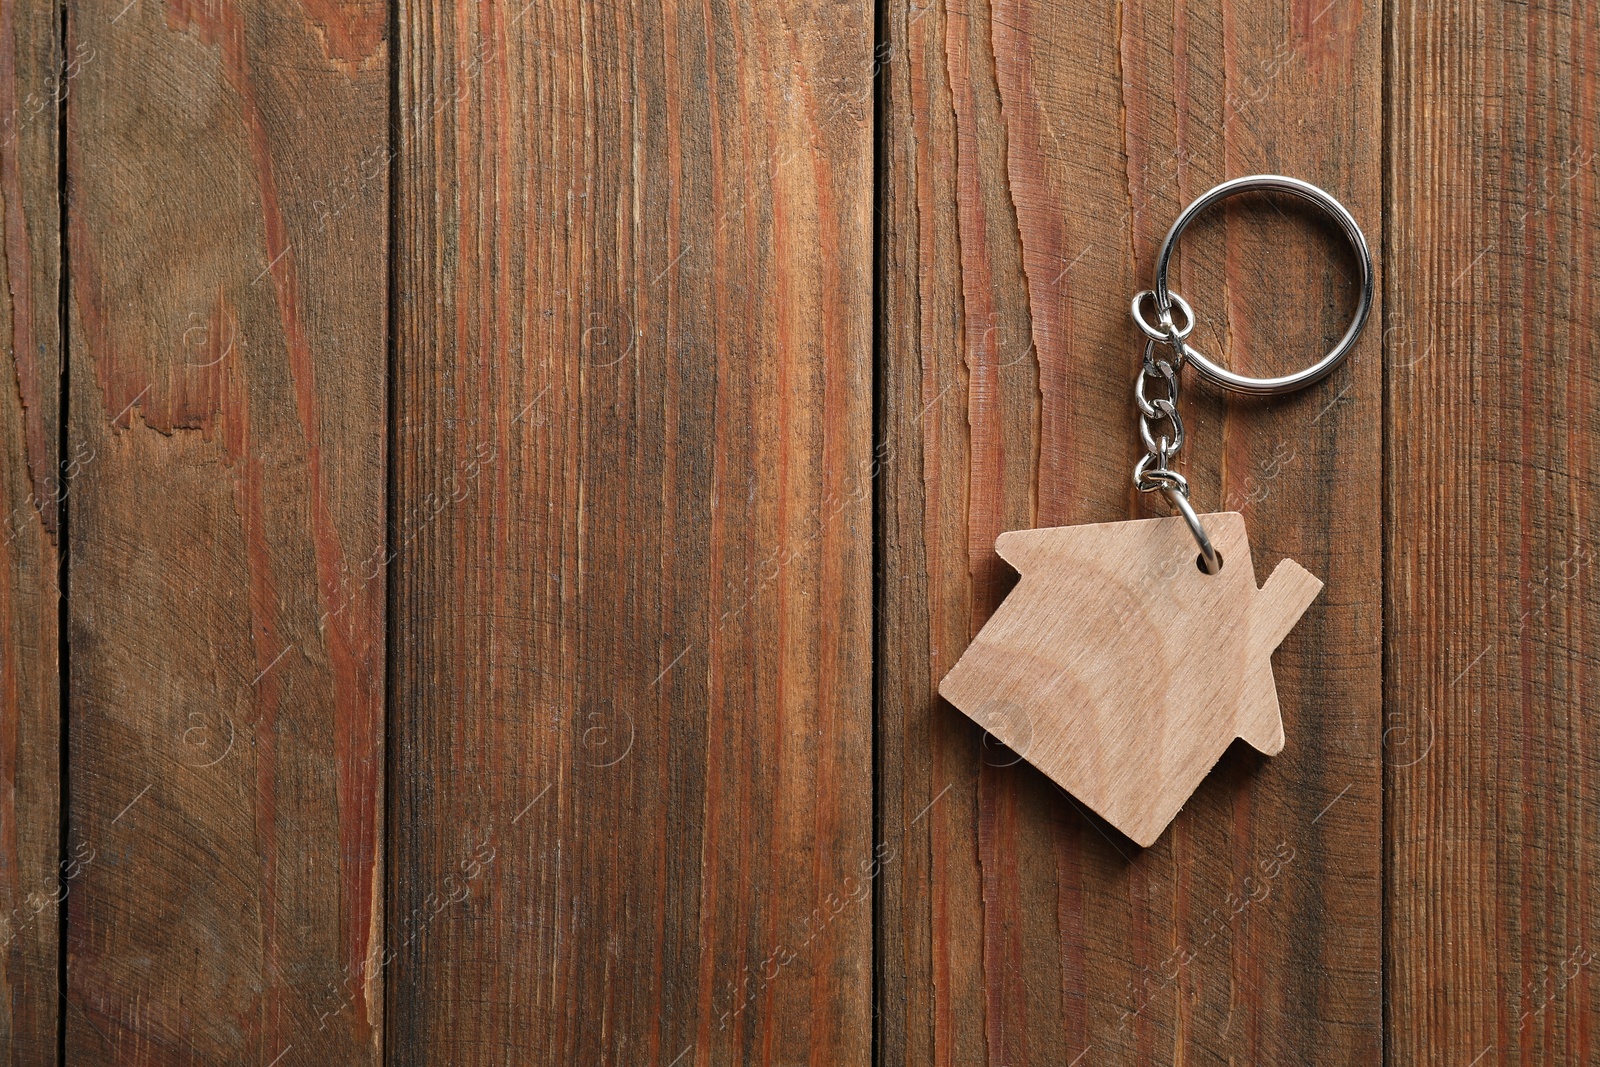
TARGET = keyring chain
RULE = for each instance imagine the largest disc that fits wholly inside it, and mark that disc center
(1160, 426)
(1048, 674)
(1160, 414)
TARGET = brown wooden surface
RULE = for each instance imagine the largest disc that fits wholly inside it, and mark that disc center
(632, 687)
(227, 250)
(1035, 157)
(1493, 785)
(600, 725)
(33, 491)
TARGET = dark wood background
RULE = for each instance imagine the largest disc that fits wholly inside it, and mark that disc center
(491, 489)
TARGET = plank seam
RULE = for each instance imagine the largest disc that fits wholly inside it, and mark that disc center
(391, 498)
(63, 553)
(878, 71)
(1385, 516)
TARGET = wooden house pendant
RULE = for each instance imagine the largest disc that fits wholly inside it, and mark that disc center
(1121, 670)
(1123, 665)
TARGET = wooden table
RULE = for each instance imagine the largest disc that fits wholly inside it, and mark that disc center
(492, 490)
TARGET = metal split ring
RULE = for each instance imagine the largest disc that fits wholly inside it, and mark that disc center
(1165, 298)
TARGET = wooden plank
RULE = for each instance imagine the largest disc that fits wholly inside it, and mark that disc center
(1036, 155)
(33, 489)
(1493, 825)
(227, 249)
(632, 637)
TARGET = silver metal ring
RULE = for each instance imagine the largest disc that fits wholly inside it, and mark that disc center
(1274, 183)
(1148, 481)
(1160, 333)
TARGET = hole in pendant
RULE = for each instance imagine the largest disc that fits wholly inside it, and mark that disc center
(1200, 561)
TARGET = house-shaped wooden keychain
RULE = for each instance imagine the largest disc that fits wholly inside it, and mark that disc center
(1123, 665)
(1122, 670)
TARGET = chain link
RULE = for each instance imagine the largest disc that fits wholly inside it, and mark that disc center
(1155, 392)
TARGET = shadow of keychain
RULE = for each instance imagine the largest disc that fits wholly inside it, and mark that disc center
(1123, 665)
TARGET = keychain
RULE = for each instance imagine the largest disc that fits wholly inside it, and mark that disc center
(1121, 665)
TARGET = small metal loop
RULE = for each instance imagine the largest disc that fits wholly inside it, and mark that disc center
(1143, 480)
(1165, 326)
(1210, 562)
(1148, 481)
(1165, 298)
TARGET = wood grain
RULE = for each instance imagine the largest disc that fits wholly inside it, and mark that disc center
(1048, 675)
(627, 581)
(1034, 156)
(632, 643)
(33, 489)
(1493, 823)
(227, 249)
